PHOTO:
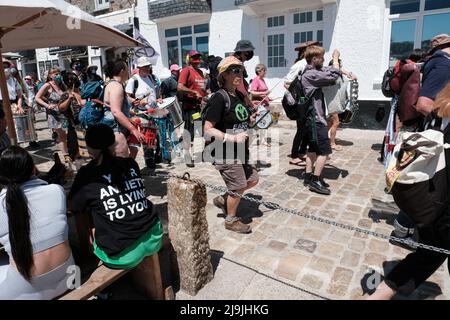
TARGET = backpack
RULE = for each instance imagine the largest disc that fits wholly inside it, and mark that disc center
(213, 63)
(295, 103)
(417, 175)
(409, 92)
(93, 111)
(386, 83)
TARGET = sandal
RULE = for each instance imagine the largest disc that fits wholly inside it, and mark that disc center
(337, 148)
(297, 163)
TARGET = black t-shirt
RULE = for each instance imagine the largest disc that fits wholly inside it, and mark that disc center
(120, 216)
(232, 121)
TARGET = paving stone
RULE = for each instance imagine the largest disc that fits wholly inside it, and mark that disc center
(331, 250)
(340, 236)
(354, 208)
(305, 245)
(257, 237)
(342, 276)
(268, 229)
(338, 290)
(225, 245)
(243, 251)
(313, 234)
(357, 245)
(277, 245)
(350, 259)
(316, 201)
(374, 259)
(379, 246)
(297, 221)
(264, 259)
(312, 281)
(291, 265)
(321, 264)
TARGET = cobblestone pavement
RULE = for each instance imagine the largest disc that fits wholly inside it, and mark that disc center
(323, 260)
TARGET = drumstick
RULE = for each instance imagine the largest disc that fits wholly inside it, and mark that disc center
(267, 95)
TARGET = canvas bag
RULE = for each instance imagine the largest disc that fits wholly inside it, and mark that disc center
(416, 175)
(336, 96)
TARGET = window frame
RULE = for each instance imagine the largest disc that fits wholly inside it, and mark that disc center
(289, 30)
(418, 16)
(106, 4)
(194, 36)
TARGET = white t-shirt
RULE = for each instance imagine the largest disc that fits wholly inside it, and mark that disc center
(146, 89)
(298, 67)
(13, 86)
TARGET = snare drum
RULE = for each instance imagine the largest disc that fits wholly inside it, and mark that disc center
(171, 106)
(24, 127)
(150, 131)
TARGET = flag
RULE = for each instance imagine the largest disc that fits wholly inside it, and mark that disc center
(148, 50)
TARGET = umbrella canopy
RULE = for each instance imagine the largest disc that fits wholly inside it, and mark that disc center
(32, 24)
(53, 23)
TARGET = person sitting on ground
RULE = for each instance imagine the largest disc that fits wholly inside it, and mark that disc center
(127, 229)
(34, 231)
(418, 266)
(230, 127)
(314, 78)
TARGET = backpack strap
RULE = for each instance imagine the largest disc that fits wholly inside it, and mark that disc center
(226, 98)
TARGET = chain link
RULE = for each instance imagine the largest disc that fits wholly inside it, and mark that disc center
(274, 206)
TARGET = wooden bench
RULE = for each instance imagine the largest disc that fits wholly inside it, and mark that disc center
(146, 277)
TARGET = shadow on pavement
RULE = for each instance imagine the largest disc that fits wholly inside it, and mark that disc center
(380, 210)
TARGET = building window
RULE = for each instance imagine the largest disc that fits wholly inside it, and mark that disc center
(181, 40)
(320, 35)
(303, 36)
(319, 15)
(414, 23)
(303, 17)
(275, 21)
(404, 6)
(275, 46)
(101, 4)
(436, 4)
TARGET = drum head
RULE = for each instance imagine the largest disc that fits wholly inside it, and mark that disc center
(264, 120)
(166, 102)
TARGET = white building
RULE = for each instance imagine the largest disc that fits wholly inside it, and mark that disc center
(369, 33)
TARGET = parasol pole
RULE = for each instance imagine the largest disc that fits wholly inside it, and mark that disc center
(7, 103)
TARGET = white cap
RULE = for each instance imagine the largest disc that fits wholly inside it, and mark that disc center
(143, 62)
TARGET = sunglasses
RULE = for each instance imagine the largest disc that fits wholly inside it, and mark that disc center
(236, 70)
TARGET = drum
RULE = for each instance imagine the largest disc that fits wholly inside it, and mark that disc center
(264, 119)
(148, 129)
(25, 127)
(172, 107)
(351, 106)
(82, 147)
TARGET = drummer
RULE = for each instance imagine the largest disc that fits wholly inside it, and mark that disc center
(142, 90)
(192, 84)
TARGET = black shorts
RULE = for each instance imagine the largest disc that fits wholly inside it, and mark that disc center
(321, 146)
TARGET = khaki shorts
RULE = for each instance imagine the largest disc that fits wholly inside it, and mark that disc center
(237, 176)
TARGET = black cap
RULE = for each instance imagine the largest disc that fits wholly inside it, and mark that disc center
(244, 45)
(100, 137)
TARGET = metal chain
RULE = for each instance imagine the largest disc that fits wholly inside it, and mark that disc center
(274, 206)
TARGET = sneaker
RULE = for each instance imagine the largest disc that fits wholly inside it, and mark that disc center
(219, 202)
(237, 226)
(318, 187)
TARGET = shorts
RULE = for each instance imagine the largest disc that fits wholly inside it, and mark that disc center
(322, 146)
(237, 176)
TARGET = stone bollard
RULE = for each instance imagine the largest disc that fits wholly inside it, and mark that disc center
(188, 231)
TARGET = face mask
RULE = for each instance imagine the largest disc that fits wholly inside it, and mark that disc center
(78, 67)
(93, 71)
(57, 78)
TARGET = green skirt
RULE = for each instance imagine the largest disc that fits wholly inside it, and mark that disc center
(147, 244)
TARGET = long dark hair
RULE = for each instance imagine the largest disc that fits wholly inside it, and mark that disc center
(114, 68)
(16, 167)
